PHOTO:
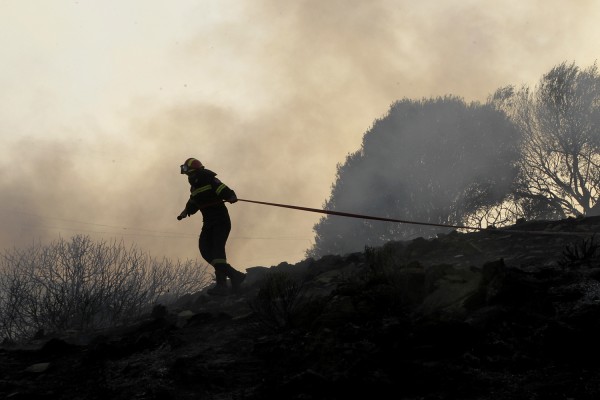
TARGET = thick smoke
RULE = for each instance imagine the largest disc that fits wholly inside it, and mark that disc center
(272, 96)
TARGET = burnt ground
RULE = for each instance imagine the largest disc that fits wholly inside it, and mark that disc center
(498, 314)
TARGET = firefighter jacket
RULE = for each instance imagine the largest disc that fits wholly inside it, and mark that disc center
(207, 194)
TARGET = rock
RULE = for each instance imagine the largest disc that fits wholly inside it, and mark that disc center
(38, 368)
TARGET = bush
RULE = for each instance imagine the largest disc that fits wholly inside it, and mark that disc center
(279, 302)
(82, 285)
(585, 252)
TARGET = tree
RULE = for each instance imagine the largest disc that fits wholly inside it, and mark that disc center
(559, 166)
(432, 161)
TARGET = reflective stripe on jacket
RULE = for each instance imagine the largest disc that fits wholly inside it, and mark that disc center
(207, 194)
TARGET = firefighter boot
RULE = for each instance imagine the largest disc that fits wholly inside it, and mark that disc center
(236, 277)
(220, 288)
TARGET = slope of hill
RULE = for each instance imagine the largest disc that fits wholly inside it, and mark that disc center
(498, 314)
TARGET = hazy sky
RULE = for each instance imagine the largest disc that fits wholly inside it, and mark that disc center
(101, 101)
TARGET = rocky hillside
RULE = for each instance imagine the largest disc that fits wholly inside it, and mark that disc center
(498, 314)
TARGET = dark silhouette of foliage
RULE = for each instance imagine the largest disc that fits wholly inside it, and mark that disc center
(582, 253)
(278, 303)
(434, 161)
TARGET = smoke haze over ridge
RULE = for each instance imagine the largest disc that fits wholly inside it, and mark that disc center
(102, 102)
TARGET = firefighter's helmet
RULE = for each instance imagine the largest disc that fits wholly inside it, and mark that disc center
(190, 165)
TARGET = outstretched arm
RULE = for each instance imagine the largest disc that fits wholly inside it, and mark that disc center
(182, 215)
